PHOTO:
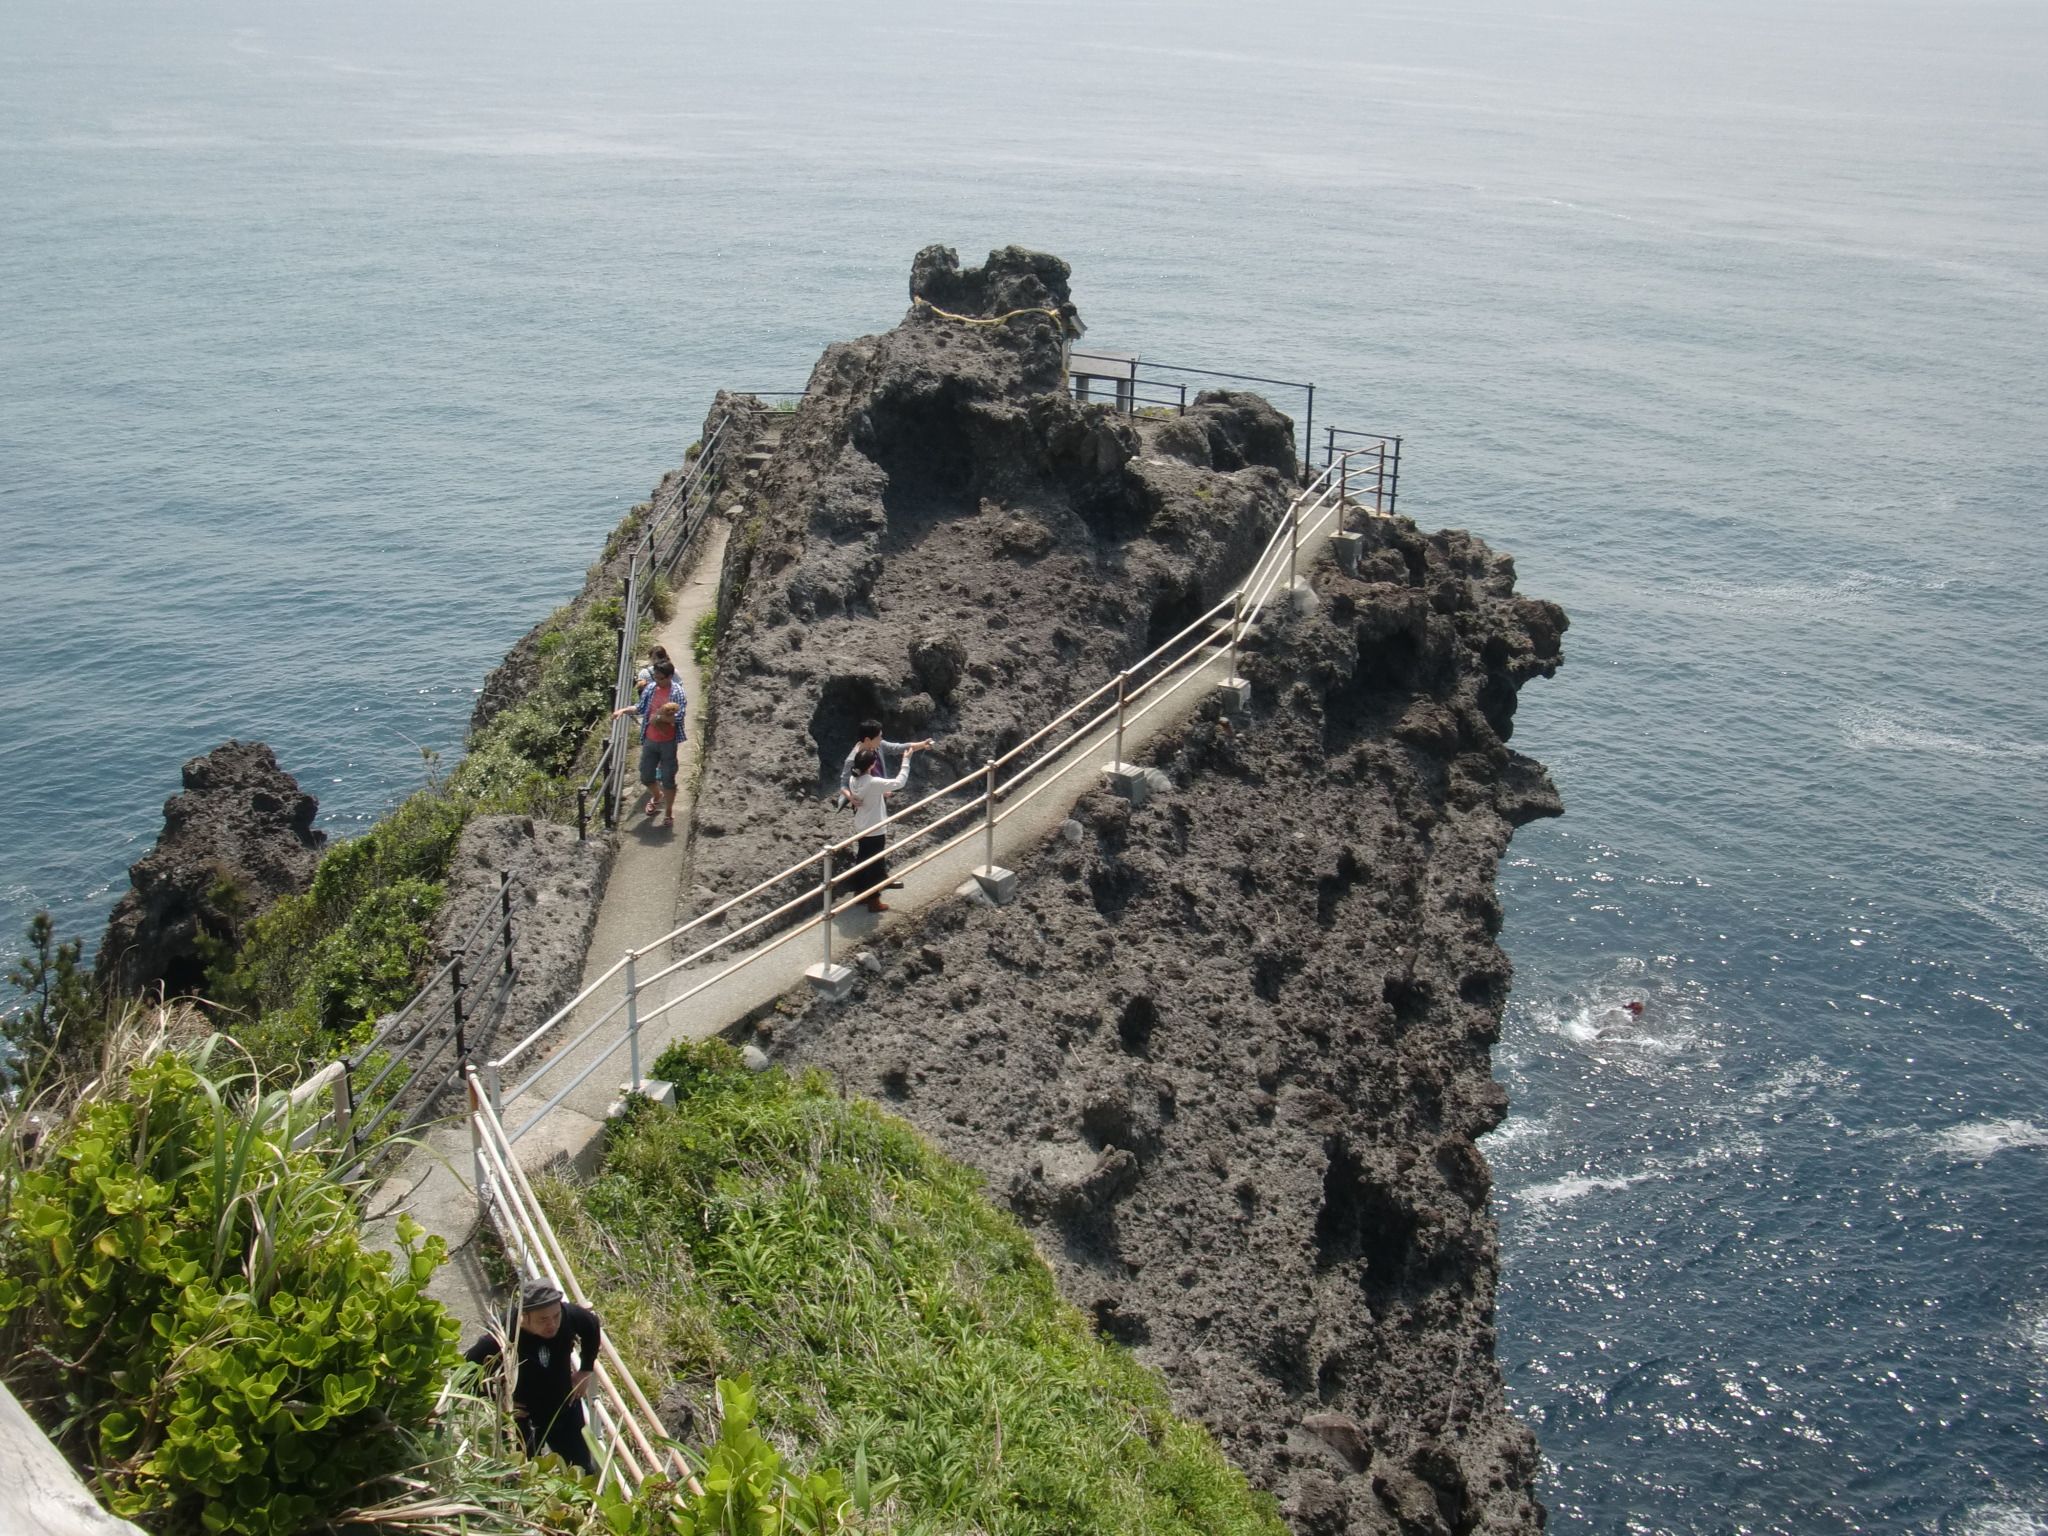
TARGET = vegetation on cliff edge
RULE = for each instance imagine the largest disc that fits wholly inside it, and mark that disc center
(885, 1309)
(317, 969)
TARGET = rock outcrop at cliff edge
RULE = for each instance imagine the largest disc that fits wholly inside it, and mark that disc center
(944, 541)
(239, 837)
(1229, 1052)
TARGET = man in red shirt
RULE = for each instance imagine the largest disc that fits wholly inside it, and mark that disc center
(661, 710)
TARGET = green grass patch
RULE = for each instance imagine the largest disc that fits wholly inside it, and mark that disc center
(704, 640)
(885, 1311)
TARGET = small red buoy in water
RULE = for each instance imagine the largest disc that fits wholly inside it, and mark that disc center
(1634, 1007)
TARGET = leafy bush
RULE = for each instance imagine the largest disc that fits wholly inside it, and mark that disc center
(704, 639)
(187, 1305)
(886, 1310)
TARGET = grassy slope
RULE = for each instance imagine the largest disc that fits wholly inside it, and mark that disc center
(878, 1300)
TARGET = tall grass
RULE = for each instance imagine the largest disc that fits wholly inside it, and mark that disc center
(887, 1312)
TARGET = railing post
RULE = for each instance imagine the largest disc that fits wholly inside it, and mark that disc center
(1344, 496)
(1122, 678)
(582, 814)
(455, 977)
(476, 1145)
(1379, 485)
(1308, 434)
(494, 1087)
(505, 916)
(633, 1017)
(1394, 485)
(988, 860)
(1293, 537)
(345, 1105)
(825, 894)
(1329, 446)
(1236, 627)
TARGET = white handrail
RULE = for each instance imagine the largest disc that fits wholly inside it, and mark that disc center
(1306, 515)
(639, 1444)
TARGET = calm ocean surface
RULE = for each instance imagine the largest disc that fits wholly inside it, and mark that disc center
(335, 337)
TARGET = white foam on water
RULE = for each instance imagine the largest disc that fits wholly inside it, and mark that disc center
(1877, 730)
(1576, 1187)
(1514, 1130)
(2001, 1520)
(1759, 597)
(1981, 1140)
(2018, 911)
(1800, 1080)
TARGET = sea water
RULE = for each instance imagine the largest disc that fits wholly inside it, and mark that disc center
(335, 338)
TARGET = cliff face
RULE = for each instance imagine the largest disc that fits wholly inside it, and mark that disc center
(1229, 1051)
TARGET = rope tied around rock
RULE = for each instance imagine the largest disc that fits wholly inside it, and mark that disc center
(1037, 309)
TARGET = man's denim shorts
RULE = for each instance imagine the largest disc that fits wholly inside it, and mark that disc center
(658, 762)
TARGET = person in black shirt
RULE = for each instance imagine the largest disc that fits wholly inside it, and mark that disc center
(547, 1387)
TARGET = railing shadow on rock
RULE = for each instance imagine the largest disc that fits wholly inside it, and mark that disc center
(392, 1084)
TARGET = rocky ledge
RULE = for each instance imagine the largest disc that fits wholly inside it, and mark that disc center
(237, 838)
(1229, 1053)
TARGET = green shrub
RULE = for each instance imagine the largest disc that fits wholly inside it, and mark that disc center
(704, 640)
(188, 1307)
(886, 1311)
(59, 1017)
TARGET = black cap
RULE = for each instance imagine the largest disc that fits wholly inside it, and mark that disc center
(537, 1294)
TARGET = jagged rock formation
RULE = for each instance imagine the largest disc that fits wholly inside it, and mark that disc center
(946, 542)
(1229, 1052)
(239, 837)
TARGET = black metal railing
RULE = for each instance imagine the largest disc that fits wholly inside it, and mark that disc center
(393, 1082)
(1138, 386)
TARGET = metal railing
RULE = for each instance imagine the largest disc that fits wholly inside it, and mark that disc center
(366, 1088)
(671, 524)
(826, 885)
(1141, 389)
(626, 1425)
(1378, 451)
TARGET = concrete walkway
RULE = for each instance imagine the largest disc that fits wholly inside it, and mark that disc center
(696, 1003)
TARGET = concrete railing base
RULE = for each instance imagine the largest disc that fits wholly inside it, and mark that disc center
(1234, 694)
(662, 1093)
(999, 884)
(834, 983)
(1128, 780)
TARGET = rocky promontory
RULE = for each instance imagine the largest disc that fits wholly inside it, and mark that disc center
(239, 836)
(1228, 1054)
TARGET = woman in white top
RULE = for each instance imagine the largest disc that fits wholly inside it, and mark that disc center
(870, 793)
